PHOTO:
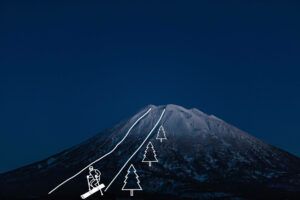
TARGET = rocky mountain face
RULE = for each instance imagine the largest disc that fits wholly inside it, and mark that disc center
(203, 157)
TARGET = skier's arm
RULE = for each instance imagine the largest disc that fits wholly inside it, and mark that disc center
(98, 173)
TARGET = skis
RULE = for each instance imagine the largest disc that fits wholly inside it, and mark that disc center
(93, 191)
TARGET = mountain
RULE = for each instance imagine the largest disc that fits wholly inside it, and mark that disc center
(203, 157)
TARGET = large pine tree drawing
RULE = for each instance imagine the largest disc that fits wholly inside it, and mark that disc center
(131, 182)
(150, 155)
(161, 134)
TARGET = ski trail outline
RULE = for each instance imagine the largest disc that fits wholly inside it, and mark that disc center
(163, 112)
(97, 160)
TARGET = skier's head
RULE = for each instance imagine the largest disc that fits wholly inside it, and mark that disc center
(91, 168)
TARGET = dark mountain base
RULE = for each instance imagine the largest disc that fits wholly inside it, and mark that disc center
(242, 193)
(203, 157)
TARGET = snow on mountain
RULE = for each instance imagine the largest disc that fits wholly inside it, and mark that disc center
(203, 158)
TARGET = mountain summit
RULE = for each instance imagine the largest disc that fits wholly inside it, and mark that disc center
(202, 157)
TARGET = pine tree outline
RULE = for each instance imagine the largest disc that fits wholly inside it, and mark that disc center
(137, 178)
(158, 136)
(154, 154)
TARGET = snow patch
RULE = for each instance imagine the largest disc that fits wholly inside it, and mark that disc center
(50, 161)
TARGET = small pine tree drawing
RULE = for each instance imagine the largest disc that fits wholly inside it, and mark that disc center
(161, 134)
(150, 155)
(131, 182)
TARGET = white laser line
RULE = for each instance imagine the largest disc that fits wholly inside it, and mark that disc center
(103, 155)
(163, 112)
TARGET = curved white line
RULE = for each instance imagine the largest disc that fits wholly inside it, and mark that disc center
(103, 155)
(163, 112)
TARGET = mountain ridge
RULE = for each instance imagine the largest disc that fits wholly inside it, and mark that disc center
(201, 151)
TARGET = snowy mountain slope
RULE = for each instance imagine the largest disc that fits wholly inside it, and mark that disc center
(202, 158)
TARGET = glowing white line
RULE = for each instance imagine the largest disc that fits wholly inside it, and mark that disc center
(163, 112)
(102, 156)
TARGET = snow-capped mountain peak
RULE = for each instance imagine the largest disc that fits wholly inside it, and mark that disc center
(200, 155)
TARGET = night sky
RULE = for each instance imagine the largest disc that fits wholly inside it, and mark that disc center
(68, 70)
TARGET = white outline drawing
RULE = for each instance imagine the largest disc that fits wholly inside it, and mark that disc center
(132, 171)
(162, 114)
(67, 180)
(94, 184)
(161, 134)
(150, 155)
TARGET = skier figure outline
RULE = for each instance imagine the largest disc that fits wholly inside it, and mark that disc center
(93, 179)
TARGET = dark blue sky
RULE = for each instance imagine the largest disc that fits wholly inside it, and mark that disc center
(69, 70)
